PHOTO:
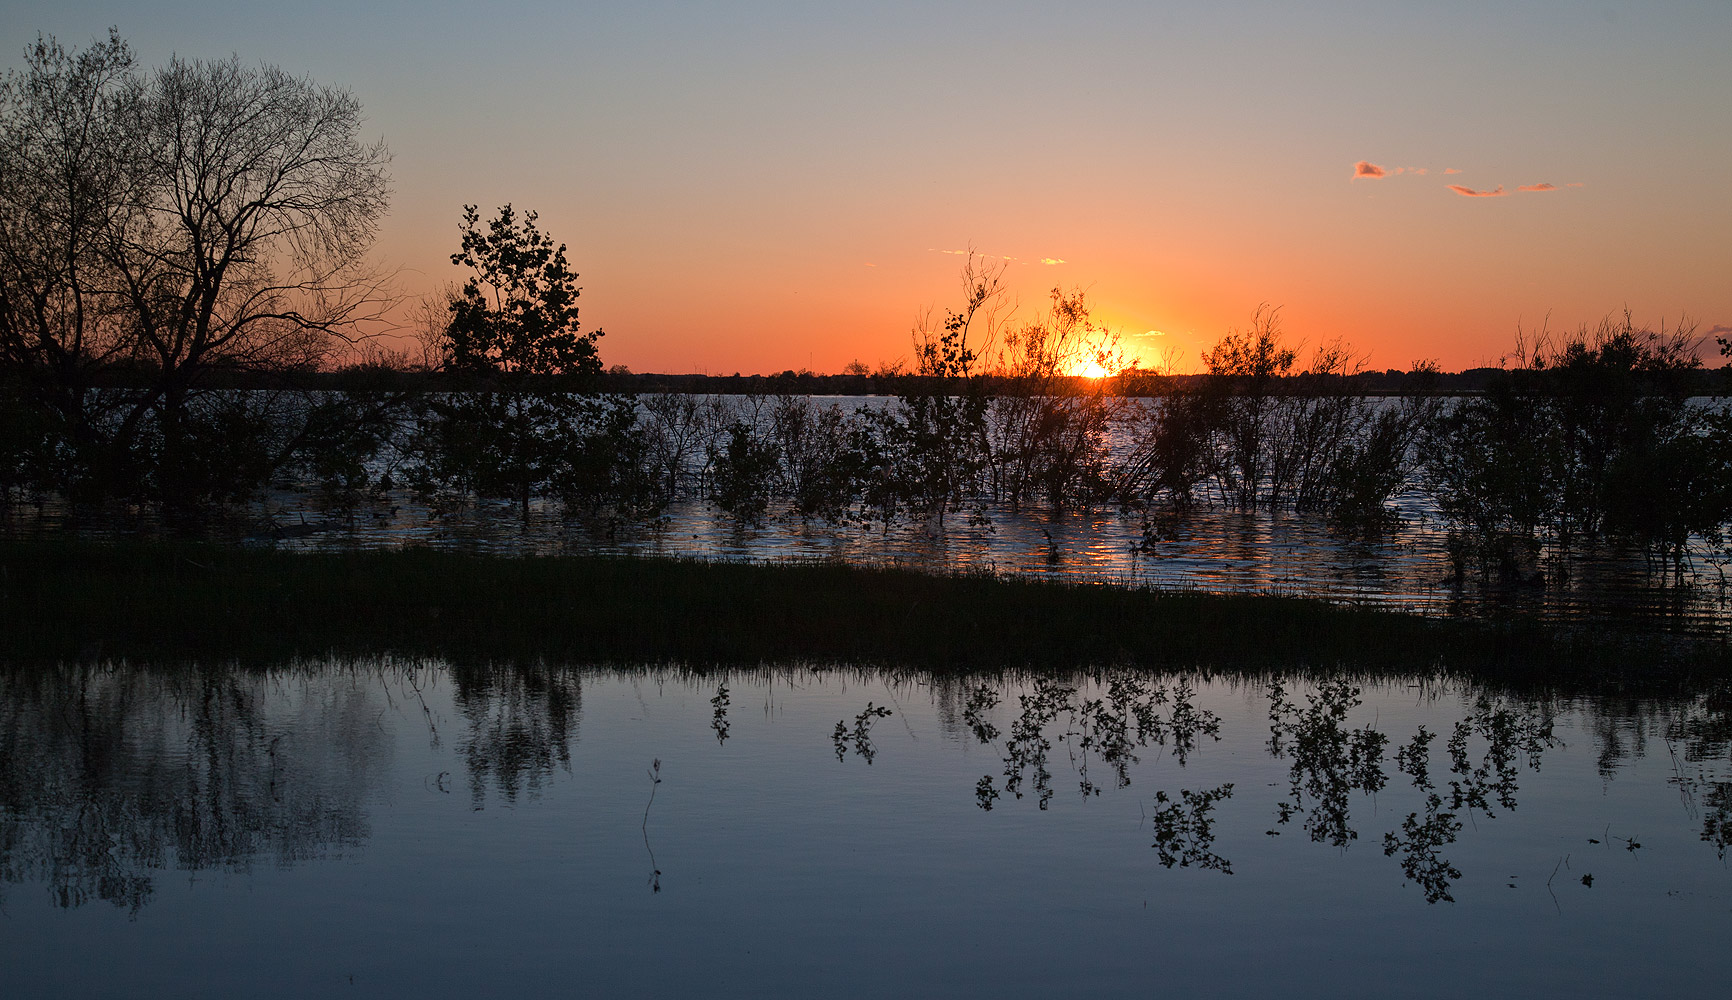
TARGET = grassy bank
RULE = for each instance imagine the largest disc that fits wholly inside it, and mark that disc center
(164, 601)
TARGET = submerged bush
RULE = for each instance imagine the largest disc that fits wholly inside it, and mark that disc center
(743, 468)
(1594, 436)
(820, 461)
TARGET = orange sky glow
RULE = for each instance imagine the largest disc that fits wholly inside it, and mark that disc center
(761, 186)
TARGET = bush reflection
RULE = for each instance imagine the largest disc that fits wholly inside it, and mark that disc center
(111, 776)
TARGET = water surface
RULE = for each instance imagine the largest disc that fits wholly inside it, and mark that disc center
(430, 828)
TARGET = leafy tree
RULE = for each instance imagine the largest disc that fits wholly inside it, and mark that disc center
(1594, 436)
(1374, 462)
(742, 470)
(527, 421)
(1492, 464)
(517, 313)
(820, 465)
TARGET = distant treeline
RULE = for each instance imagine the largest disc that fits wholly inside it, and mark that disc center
(391, 375)
(1134, 382)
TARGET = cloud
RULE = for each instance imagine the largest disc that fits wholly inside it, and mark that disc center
(1467, 192)
(1575, 184)
(1451, 170)
(988, 256)
(1151, 333)
(1719, 330)
(1366, 170)
(1542, 186)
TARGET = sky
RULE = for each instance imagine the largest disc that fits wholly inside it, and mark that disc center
(757, 186)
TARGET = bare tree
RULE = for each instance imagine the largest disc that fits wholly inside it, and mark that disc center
(62, 181)
(935, 436)
(204, 216)
(244, 240)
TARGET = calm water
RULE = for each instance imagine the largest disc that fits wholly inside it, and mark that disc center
(429, 829)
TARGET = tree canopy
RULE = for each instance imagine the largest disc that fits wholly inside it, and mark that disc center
(517, 312)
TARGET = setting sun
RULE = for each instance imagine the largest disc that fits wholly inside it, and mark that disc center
(1091, 368)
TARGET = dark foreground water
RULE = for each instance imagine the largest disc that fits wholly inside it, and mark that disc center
(430, 830)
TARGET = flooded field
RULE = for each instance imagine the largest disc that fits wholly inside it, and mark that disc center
(1210, 549)
(1406, 563)
(406, 828)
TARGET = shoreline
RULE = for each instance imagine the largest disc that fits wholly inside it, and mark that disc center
(88, 602)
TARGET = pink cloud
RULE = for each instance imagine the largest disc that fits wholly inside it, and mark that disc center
(1451, 170)
(1467, 192)
(1542, 186)
(1367, 170)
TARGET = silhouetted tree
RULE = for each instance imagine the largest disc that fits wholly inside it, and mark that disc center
(528, 421)
(743, 466)
(932, 444)
(198, 219)
(1243, 367)
(1047, 428)
(63, 187)
(820, 462)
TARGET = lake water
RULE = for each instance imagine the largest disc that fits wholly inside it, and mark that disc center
(435, 829)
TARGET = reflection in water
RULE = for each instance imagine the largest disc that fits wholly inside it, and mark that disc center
(1109, 728)
(1717, 817)
(1696, 742)
(1506, 734)
(1329, 761)
(655, 776)
(861, 735)
(1420, 839)
(719, 714)
(110, 776)
(522, 723)
(1184, 833)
